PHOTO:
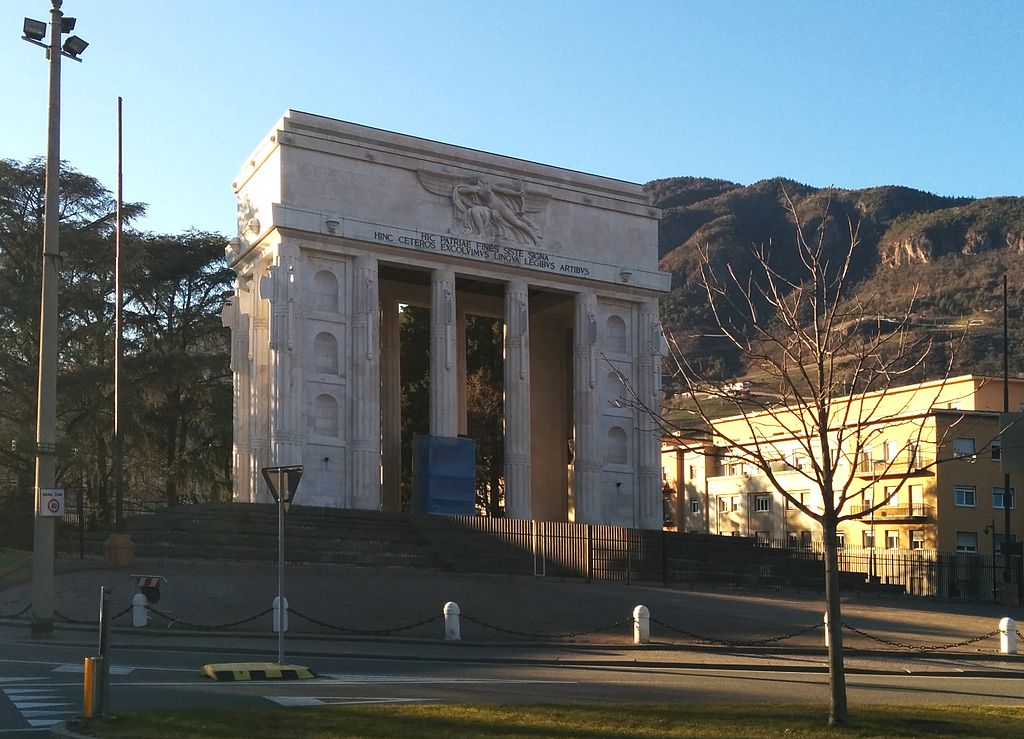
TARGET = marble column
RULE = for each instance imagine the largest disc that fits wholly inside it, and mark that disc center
(390, 405)
(586, 469)
(365, 386)
(460, 352)
(236, 315)
(259, 396)
(648, 387)
(518, 500)
(444, 364)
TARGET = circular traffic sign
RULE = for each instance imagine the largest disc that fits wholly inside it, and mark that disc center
(53, 505)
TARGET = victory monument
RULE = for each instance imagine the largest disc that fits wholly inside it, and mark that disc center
(340, 224)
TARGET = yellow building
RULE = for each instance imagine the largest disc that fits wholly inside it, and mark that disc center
(931, 453)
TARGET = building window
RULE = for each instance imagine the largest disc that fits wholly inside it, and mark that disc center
(963, 447)
(735, 503)
(694, 505)
(805, 539)
(967, 541)
(791, 540)
(762, 503)
(840, 539)
(997, 449)
(325, 415)
(892, 496)
(965, 495)
(868, 540)
(891, 449)
(917, 539)
(692, 471)
(892, 539)
(723, 504)
(998, 499)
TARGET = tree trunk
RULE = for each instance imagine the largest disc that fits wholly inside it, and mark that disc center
(837, 710)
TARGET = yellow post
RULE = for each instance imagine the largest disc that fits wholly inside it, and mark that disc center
(93, 667)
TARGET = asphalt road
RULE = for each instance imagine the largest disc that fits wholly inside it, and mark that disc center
(41, 682)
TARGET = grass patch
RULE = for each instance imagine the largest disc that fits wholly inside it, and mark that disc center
(576, 721)
(10, 557)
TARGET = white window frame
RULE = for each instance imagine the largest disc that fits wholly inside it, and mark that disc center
(960, 495)
(840, 540)
(964, 450)
(734, 504)
(917, 539)
(892, 535)
(763, 503)
(965, 547)
(694, 505)
(996, 450)
(868, 539)
(1002, 502)
(723, 503)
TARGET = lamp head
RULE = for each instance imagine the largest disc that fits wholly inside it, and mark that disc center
(74, 46)
(34, 30)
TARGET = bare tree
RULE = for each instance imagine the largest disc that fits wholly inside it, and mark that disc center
(829, 365)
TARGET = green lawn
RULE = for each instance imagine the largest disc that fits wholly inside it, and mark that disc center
(9, 557)
(582, 721)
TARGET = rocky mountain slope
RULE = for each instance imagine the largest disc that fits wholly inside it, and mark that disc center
(954, 250)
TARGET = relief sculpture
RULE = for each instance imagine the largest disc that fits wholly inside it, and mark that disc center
(485, 209)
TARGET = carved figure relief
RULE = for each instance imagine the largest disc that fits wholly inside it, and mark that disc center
(486, 209)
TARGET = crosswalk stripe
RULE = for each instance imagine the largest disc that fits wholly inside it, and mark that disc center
(23, 705)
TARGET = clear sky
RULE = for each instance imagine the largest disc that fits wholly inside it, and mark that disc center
(852, 94)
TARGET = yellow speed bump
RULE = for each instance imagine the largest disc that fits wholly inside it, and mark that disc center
(234, 671)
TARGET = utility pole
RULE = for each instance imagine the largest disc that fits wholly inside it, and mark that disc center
(1008, 549)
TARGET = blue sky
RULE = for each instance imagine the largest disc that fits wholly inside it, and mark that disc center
(855, 94)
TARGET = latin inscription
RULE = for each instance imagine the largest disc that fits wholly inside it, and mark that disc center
(481, 250)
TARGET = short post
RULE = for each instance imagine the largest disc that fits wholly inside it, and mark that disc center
(93, 668)
(103, 693)
(828, 641)
(139, 615)
(641, 625)
(1007, 636)
(280, 619)
(452, 628)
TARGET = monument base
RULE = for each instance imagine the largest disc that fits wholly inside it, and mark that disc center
(119, 550)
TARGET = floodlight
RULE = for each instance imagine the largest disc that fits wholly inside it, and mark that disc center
(74, 46)
(34, 30)
(67, 24)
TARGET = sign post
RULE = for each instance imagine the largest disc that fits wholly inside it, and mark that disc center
(283, 482)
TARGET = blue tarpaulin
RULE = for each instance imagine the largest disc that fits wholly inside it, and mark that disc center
(444, 475)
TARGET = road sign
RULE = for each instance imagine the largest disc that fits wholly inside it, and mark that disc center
(51, 502)
(283, 482)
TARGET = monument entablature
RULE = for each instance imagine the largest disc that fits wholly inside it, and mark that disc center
(340, 224)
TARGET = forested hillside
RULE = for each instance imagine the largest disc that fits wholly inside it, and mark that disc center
(952, 250)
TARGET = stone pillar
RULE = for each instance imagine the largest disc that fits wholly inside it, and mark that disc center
(444, 364)
(648, 388)
(365, 386)
(259, 397)
(280, 288)
(236, 315)
(390, 406)
(518, 500)
(460, 383)
(586, 468)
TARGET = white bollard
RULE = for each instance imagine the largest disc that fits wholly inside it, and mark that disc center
(278, 615)
(1007, 636)
(641, 625)
(452, 629)
(139, 615)
(827, 640)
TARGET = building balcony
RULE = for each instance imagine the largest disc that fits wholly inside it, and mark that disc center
(903, 465)
(897, 513)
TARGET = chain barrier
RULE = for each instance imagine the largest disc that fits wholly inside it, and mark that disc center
(1020, 637)
(178, 621)
(366, 632)
(86, 622)
(921, 647)
(20, 613)
(736, 642)
(542, 635)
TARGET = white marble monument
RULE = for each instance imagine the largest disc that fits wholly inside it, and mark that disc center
(340, 223)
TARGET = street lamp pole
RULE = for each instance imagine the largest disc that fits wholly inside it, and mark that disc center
(1007, 493)
(46, 409)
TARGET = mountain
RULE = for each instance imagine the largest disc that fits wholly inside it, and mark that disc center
(953, 250)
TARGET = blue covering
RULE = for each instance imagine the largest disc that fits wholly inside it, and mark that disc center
(444, 476)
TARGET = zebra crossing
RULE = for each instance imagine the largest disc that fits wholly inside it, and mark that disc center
(39, 703)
